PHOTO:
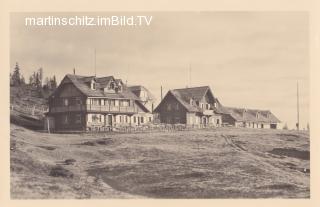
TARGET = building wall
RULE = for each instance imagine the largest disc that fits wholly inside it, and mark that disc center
(69, 121)
(171, 111)
(227, 119)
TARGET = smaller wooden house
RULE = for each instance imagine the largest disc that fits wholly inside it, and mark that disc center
(190, 106)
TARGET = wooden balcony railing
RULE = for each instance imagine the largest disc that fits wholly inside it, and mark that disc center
(93, 108)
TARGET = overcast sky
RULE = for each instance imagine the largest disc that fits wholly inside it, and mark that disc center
(249, 59)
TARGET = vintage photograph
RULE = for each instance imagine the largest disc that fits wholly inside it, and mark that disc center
(165, 105)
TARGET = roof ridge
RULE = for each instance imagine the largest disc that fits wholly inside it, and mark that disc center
(191, 87)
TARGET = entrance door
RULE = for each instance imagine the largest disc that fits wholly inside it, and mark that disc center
(109, 120)
(204, 121)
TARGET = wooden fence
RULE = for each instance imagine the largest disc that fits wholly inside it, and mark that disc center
(29, 110)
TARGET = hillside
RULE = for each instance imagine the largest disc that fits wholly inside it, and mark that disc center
(213, 163)
(27, 106)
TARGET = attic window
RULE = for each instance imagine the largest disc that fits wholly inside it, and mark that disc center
(112, 85)
(93, 85)
(257, 115)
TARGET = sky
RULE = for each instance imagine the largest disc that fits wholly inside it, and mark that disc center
(249, 59)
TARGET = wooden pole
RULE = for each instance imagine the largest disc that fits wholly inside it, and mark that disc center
(48, 123)
(95, 70)
(298, 113)
(161, 93)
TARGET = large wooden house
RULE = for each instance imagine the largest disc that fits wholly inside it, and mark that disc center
(93, 103)
(190, 106)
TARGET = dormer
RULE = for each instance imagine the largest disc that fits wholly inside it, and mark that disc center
(244, 111)
(257, 115)
(93, 84)
(191, 101)
(268, 115)
(118, 88)
(215, 104)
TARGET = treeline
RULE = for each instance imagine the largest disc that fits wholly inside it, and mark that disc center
(35, 80)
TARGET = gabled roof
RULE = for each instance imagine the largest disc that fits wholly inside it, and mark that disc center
(136, 89)
(82, 83)
(250, 115)
(184, 95)
(196, 93)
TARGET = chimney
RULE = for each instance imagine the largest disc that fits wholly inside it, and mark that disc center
(74, 71)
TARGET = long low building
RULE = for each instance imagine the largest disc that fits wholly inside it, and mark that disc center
(249, 118)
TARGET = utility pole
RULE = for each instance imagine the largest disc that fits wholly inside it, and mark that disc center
(161, 93)
(298, 118)
(190, 76)
(95, 70)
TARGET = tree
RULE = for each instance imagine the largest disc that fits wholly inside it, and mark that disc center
(54, 82)
(40, 76)
(22, 80)
(15, 78)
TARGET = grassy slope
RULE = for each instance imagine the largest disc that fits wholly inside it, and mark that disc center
(220, 163)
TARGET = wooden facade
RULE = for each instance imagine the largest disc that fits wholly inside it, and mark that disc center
(248, 118)
(190, 106)
(78, 104)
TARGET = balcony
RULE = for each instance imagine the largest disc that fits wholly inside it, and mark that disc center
(109, 108)
(94, 108)
(207, 112)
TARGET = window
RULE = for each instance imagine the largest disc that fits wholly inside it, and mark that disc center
(96, 102)
(150, 119)
(78, 101)
(142, 119)
(134, 119)
(207, 106)
(218, 121)
(78, 119)
(65, 102)
(126, 119)
(120, 117)
(65, 119)
(112, 102)
(112, 85)
(96, 118)
(125, 103)
(169, 107)
(116, 102)
(93, 85)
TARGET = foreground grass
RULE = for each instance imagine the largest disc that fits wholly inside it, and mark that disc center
(216, 163)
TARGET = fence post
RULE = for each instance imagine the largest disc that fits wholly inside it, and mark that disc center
(48, 123)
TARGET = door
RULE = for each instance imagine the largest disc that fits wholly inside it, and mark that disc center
(109, 120)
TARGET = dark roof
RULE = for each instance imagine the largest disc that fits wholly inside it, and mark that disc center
(184, 95)
(249, 115)
(196, 93)
(82, 83)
